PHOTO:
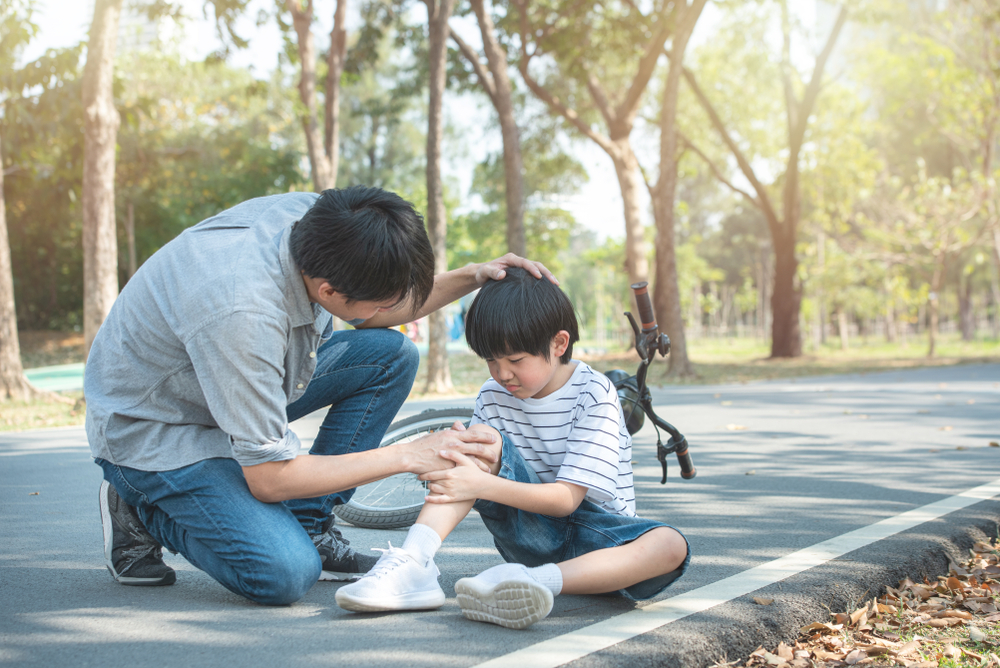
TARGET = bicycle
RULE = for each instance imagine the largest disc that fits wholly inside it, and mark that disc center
(395, 502)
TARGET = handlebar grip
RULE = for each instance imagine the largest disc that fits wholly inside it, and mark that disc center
(688, 470)
(645, 306)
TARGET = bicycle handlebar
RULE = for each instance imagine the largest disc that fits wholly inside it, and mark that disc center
(645, 306)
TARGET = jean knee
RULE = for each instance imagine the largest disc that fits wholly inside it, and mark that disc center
(286, 576)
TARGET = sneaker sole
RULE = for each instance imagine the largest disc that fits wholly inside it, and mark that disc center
(106, 527)
(334, 576)
(512, 604)
(424, 600)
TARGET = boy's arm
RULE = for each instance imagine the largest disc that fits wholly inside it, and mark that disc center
(466, 482)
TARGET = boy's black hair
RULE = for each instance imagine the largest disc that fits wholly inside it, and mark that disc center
(520, 314)
(367, 243)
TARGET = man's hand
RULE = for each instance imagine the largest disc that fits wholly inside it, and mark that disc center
(497, 269)
(464, 482)
(425, 454)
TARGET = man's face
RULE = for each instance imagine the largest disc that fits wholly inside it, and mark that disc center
(322, 293)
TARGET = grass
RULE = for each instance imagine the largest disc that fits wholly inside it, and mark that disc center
(716, 361)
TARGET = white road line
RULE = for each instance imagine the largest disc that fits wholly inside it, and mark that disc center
(570, 646)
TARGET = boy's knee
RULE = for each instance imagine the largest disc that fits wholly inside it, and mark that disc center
(286, 576)
(672, 545)
(496, 447)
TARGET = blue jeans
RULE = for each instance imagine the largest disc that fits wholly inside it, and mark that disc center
(533, 539)
(263, 551)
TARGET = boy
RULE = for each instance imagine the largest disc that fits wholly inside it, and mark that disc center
(559, 501)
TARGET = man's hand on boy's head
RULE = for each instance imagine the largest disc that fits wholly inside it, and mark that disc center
(497, 269)
(464, 482)
(425, 454)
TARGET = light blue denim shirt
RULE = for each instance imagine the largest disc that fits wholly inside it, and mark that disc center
(206, 346)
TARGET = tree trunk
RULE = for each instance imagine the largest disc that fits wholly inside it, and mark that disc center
(666, 295)
(133, 264)
(966, 314)
(335, 60)
(438, 13)
(630, 181)
(933, 300)
(13, 383)
(786, 301)
(842, 329)
(995, 283)
(302, 18)
(502, 98)
(101, 120)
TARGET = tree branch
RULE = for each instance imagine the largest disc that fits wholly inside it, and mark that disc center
(485, 80)
(763, 201)
(716, 171)
(813, 89)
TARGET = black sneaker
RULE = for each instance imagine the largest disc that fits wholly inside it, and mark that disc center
(133, 556)
(340, 562)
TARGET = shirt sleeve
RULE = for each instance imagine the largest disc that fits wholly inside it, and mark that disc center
(239, 362)
(593, 447)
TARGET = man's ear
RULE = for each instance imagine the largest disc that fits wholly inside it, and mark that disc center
(560, 342)
(326, 290)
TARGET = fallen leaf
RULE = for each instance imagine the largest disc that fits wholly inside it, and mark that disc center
(716, 396)
(948, 428)
(976, 635)
(992, 618)
(855, 657)
(751, 472)
(953, 584)
(762, 601)
(772, 659)
(923, 412)
(994, 444)
(735, 427)
(908, 648)
(961, 447)
(842, 618)
(784, 651)
(726, 403)
(33, 494)
(952, 652)
(817, 627)
(943, 623)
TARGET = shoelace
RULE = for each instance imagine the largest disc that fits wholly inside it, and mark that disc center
(391, 558)
(335, 539)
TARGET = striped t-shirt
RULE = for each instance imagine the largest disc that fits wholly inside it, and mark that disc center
(576, 434)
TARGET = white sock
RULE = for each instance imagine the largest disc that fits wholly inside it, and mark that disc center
(422, 542)
(548, 575)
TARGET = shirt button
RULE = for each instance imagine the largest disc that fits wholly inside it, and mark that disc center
(300, 386)
(312, 353)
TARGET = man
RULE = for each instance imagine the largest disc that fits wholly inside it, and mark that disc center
(221, 339)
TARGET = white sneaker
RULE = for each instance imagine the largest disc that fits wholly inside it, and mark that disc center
(505, 595)
(396, 582)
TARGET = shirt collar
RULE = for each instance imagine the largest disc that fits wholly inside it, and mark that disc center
(300, 308)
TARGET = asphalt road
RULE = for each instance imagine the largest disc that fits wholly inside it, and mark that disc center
(782, 466)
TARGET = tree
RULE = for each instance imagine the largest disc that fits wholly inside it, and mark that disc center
(438, 13)
(100, 245)
(324, 150)
(666, 295)
(494, 80)
(16, 29)
(786, 296)
(607, 56)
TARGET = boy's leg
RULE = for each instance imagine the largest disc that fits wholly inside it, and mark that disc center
(651, 557)
(206, 512)
(406, 578)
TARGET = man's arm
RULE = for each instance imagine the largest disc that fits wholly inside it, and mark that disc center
(455, 284)
(312, 475)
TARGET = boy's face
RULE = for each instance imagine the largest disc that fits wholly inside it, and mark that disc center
(532, 376)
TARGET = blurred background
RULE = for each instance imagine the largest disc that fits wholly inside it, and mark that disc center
(808, 186)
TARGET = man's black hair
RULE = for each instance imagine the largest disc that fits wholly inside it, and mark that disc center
(520, 314)
(367, 243)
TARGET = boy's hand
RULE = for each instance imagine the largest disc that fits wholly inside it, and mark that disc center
(464, 482)
(497, 269)
(429, 453)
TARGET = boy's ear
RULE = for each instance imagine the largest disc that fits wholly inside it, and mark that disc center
(560, 342)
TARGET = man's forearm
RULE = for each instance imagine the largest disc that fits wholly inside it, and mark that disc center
(316, 475)
(448, 287)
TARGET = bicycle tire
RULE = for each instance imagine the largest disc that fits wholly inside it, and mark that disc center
(395, 502)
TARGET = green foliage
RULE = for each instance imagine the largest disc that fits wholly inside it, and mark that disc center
(549, 171)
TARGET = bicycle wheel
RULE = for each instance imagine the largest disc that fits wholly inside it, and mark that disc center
(395, 502)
